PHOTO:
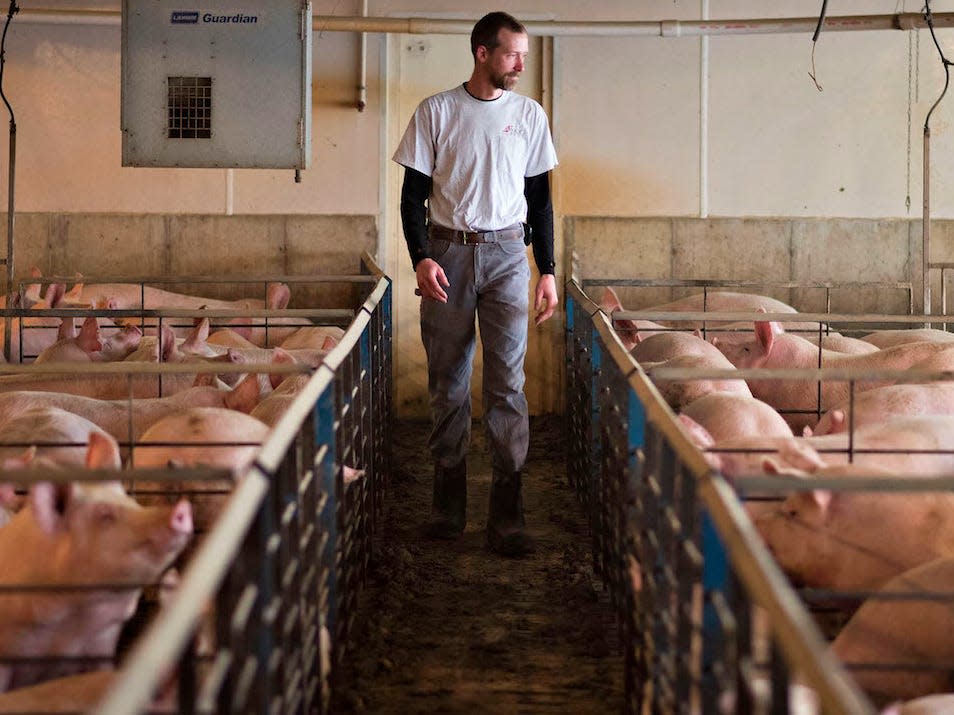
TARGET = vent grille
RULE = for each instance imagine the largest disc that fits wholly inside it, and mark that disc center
(190, 107)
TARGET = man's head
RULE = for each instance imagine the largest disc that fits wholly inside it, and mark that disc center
(499, 44)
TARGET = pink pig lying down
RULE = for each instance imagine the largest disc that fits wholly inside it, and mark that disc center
(914, 635)
(79, 535)
(677, 349)
(188, 439)
(881, 403)
(891, 338)
(767, 348)
(59, 437)
(132, 295)
(919, 446)
(118, 417)
(726, 415)
(91, 344)
(851, 540)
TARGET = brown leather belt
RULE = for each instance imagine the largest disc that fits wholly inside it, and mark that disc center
(472, 238)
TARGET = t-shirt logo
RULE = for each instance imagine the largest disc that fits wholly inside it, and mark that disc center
(509, 129)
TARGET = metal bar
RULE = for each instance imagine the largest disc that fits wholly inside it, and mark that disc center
(653, 28)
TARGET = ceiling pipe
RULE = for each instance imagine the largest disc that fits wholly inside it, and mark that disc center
(555, 28)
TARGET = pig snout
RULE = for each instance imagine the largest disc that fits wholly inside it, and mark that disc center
(181, 521)
(180, 530)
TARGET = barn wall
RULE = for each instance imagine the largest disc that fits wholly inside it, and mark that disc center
(175, 246)
(756, 250)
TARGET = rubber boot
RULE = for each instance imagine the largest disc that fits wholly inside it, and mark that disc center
(449, 509)
(506, 528)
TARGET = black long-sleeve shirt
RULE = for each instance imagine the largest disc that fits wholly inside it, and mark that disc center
(417, 188)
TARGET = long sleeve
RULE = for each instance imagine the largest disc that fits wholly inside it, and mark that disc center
(414, 194)
(540, 217)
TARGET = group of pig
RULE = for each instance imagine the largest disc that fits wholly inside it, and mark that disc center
(875, 543)
(75, 535)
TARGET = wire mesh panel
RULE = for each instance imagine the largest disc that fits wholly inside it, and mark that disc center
(289, 553)
(709, 623)
(582, 423)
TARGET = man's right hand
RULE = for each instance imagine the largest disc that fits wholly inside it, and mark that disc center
(430, 279)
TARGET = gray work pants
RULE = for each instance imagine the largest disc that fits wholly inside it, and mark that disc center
(489, 280)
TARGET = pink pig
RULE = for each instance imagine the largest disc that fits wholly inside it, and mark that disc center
(79, 535)
(726, 415)
(768, 349)
(89, 345)
(185, 439)
(912, 631)
(874, 406)
(851, 540)
(118, 417)
(891, 338)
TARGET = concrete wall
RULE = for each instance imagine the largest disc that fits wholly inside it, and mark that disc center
(808, 252)
(175, 246)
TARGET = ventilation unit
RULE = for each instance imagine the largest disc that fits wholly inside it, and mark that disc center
(216, 85)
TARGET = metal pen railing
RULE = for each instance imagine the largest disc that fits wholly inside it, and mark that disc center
(683, 564)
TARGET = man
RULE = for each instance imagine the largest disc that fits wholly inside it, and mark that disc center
(479, 156)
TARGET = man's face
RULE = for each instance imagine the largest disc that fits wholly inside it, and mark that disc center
(505, 63)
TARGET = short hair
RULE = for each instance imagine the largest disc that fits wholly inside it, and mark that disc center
(488, 27)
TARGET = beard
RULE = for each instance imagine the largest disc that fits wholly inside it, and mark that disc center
(505, 81)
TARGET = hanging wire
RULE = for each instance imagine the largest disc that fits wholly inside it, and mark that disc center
(946, 63)
(14, 9)
(821, 21)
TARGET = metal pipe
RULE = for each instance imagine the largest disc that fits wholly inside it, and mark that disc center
(926, 223)
(363, 72)
(554, 28)
(704, 118)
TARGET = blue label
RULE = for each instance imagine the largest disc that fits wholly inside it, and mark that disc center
(185, 17)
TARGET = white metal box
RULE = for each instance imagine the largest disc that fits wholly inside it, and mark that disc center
(217, 84)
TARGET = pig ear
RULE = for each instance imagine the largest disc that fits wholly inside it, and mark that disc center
(277, 296)
(74, 294)
(801, 456)
(330, 342)
(54, 294)
(822, 498)
(49, 502)
(837, 418)
(198, 337)
(102, 452)
(698, 434)
(88, 337)
(807, 431)
(245, 395)
(610, 301)
(66, 330)
(771, 466)
(167, 344)
(764, 335)
(279, 357)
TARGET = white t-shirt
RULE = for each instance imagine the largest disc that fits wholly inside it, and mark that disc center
(477, 153)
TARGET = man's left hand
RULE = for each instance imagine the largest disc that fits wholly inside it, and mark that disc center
(545, 301)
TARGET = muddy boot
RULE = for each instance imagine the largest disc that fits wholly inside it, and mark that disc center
(449, 510)
(506, 528)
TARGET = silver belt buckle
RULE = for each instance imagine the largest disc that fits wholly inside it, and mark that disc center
(468, 242)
